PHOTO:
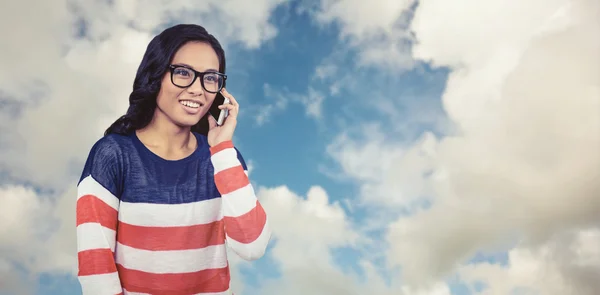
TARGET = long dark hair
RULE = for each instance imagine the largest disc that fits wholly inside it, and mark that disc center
(155, 63)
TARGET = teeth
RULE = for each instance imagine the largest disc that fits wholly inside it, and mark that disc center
(190, 104)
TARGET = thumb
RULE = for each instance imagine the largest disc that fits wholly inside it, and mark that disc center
(212, 123)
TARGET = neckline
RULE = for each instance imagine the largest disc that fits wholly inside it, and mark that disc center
(158, 158)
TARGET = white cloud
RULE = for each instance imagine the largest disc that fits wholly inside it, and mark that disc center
(305, 230)
(375, 27)
(362, 18)
(522, 161)
(251, 26)
(279, 102)
(567, 264)
(313, 216)
(279, 99)
(390, 174)
(37, 234)
(313, 102)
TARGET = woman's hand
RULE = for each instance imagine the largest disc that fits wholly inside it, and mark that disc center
(218, 134)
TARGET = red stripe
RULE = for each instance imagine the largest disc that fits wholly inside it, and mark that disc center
(97, 261)
(92, 209)
(204, 281)
(171, 238)
(221, 146)
(248, 227)
(231, 179)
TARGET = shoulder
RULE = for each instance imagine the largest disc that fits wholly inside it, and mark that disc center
(109, 147)
(109, 143)
(105, 157)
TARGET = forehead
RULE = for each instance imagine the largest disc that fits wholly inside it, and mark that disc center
(199, 55)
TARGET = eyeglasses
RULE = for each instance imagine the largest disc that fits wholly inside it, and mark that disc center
(184, 77)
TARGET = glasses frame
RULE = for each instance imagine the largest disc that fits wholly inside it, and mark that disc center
(196, 75)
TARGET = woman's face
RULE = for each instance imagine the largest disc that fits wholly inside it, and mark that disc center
(185, 107)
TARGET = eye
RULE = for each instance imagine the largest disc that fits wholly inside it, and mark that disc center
(211, 78)
(182, 72)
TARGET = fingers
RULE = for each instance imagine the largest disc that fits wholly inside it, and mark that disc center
(227, 106)
(233, 105)
(232, 99)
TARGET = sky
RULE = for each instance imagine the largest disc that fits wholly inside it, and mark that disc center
(398, 146)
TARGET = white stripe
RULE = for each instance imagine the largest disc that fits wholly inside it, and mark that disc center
(95, 236)
(100, 284)
(89, 186)
(173, 261)
(225, 159)
(253, 250)
(239, 202)
(163, 215)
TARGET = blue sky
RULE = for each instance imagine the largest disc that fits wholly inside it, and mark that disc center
(390, 151)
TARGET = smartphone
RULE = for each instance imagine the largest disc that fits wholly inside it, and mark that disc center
(218, 114)
(224, 113)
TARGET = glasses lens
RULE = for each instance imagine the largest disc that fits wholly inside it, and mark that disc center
(182, 77)
(213, 82)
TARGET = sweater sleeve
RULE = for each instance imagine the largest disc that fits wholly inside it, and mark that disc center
(247, 230)
(96, 217)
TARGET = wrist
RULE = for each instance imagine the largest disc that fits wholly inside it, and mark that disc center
(221, 146)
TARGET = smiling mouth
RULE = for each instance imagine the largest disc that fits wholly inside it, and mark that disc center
(190, 104)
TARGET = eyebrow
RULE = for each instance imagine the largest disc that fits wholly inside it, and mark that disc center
(189, 66)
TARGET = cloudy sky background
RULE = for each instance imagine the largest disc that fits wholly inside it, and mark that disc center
(399, 147)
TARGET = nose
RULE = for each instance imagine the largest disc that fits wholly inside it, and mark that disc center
(196, 87)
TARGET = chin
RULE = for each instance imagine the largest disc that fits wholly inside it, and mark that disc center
(181, 118)
(187, 122)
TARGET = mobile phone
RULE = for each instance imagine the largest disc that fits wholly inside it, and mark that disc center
(224, 113)
(217, 113)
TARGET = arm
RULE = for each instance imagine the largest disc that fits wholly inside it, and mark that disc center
(246, 228)
(97, 209)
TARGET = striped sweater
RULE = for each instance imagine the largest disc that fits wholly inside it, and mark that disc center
(146, 225)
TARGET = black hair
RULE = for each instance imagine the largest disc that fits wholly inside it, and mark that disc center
(155, 63)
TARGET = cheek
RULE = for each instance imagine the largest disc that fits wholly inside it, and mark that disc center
(210, 98)
(168, 92)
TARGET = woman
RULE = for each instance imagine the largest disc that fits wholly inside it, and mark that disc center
(165, 188)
